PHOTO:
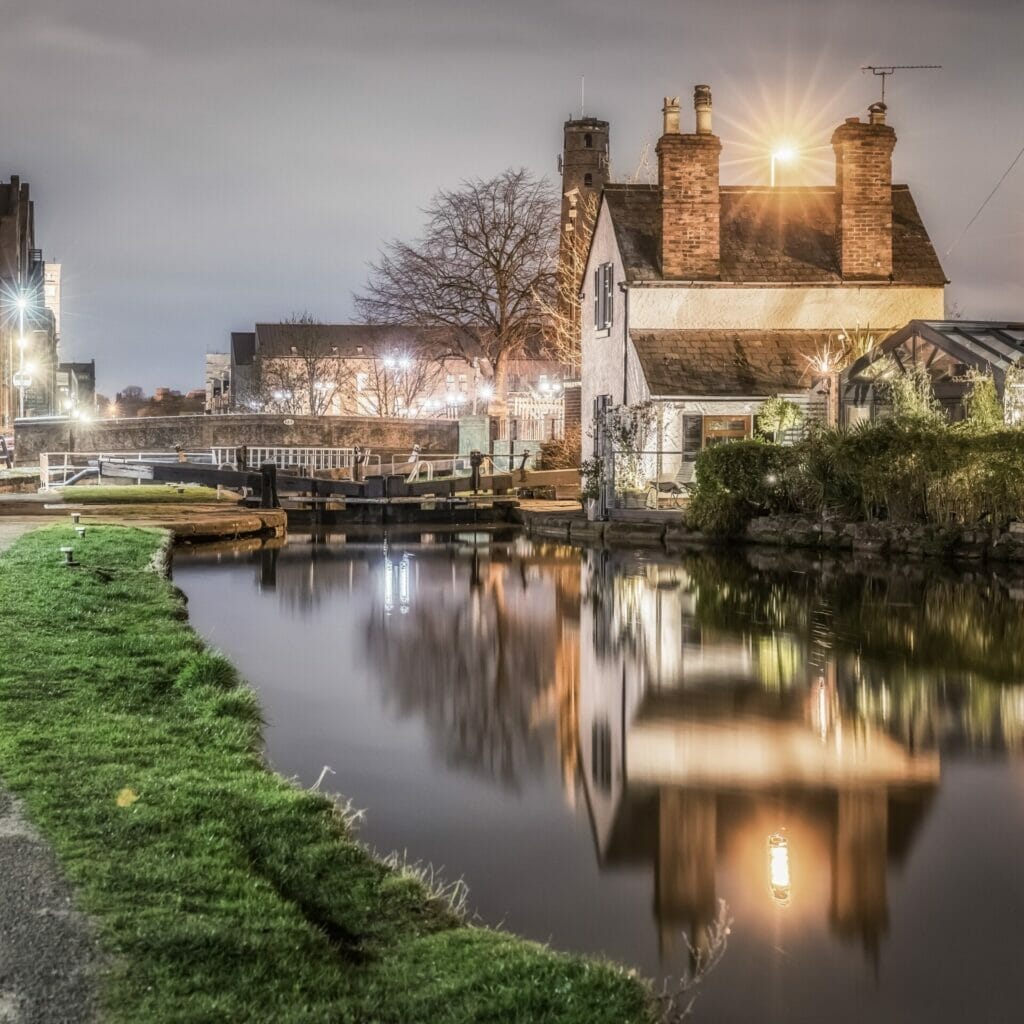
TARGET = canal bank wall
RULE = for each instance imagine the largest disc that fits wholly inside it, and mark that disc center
(989, 544)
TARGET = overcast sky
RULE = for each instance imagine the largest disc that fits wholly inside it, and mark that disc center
(200, 165)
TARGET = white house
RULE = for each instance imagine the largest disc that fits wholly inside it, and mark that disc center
(709, 298)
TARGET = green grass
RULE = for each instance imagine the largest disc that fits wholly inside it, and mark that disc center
(141, 494)
(224, 893)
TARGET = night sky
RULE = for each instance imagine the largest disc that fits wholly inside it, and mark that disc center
(199, 165)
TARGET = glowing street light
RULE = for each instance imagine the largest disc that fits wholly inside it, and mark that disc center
(783, 155)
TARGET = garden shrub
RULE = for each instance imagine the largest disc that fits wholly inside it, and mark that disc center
(737, 481)
(917, 470)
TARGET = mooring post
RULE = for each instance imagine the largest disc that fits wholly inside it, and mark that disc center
(268, 486)
(475, 459)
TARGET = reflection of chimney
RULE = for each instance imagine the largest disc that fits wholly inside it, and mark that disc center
(860, 905)
(690, 208)
(685, 873)
(864, 195)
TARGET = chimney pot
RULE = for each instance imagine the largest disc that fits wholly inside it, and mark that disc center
(702, 105)
(670, 116)
(853, 120)
(877, 113)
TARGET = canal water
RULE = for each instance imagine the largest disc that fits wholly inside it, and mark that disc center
(630, 755)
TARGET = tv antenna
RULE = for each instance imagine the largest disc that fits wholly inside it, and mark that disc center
(884, 71)
(583, 96)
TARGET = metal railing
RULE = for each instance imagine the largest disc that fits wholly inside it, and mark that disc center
(296, 457)
(56, 468)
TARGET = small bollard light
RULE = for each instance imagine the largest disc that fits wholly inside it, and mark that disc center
(80, 530)
(69, 555)
(76, 518)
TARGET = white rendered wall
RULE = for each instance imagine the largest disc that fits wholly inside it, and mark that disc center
(799, 308)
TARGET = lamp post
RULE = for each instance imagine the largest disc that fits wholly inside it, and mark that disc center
(783, 156)
(22, 306)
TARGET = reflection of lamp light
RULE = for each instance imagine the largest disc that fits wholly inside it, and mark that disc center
(389, 586)
(778, 867)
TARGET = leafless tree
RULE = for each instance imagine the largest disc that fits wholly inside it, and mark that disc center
(399, 379)
(561, 308)
(484, 269)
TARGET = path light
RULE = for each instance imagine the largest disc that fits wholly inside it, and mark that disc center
(778, 867)
(80, 530)
(69, 555)
(76, 518)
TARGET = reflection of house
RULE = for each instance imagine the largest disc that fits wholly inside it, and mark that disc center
(695, 752)
(709, 298)
(948, 350)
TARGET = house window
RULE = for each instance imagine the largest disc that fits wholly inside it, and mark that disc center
(588, 180)
(588, 141)
(719, 429)
(603, 297)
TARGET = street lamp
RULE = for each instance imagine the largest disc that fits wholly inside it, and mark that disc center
(783, 156)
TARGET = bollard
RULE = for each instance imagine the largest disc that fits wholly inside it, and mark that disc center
(69, 555)
(80, 530)
(268, 486)
(76, 518)
(475, 459)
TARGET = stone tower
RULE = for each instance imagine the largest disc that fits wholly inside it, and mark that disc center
(584, 167)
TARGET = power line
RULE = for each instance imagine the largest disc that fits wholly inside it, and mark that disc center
(1006, 174)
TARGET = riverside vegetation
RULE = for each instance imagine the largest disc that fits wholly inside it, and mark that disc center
(220, 890)
(913, 468)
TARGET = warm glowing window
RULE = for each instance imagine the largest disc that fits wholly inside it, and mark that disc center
(718, 429)
(603, 296)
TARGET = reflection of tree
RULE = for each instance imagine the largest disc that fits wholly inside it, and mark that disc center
(474, 667)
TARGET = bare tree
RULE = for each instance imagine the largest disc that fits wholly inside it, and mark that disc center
(400, 379)
(561, 308)
(484, 269)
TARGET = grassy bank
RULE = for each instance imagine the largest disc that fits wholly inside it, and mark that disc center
(142, 494)
(221, 892)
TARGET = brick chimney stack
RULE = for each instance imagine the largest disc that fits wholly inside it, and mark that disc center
(864, 195)
(690, 204)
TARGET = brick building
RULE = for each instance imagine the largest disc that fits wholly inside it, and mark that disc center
(709, 298)
(28, 331)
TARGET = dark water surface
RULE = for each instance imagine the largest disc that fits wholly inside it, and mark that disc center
(608, 747)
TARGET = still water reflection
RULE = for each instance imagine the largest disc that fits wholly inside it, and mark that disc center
(607, 746)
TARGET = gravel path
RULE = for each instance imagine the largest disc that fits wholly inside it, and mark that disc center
(48, 953)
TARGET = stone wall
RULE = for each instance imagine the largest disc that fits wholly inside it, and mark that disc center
(861, 539)
(198, 433)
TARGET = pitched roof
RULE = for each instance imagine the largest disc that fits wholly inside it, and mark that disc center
(347, 341)
(771, 235)
(985, 344)
(724, 363)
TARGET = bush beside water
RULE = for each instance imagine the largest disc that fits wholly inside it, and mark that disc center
(912, 471)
